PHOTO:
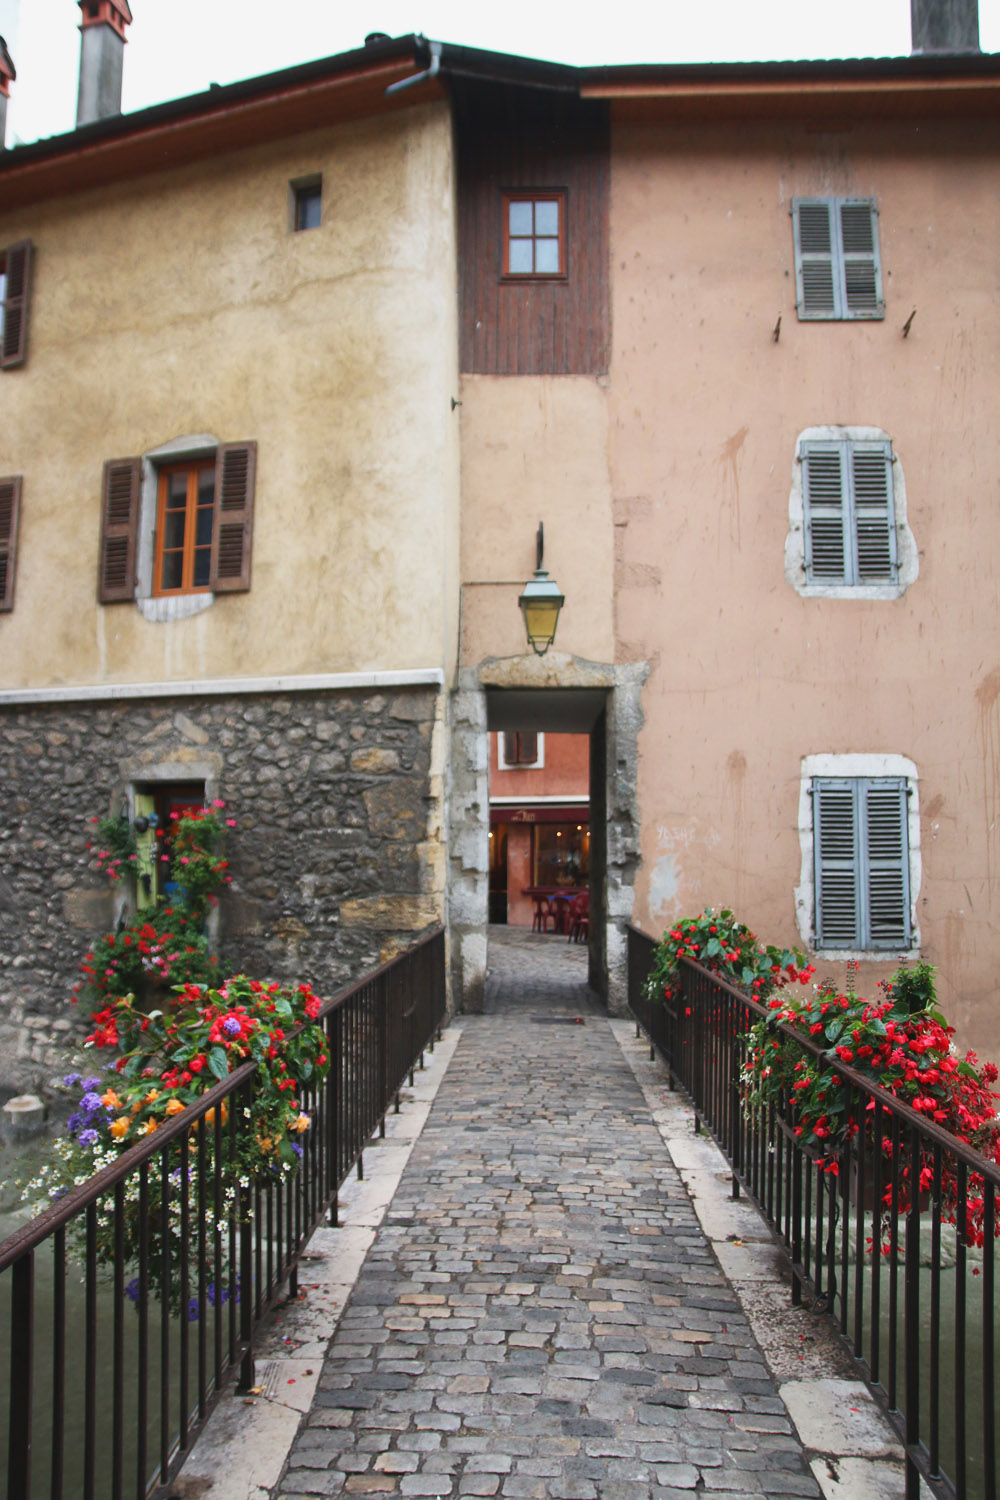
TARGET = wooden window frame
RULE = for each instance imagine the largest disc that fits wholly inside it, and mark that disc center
(865, 523)
(877, 881)
(193, 468)
(532, 195)
(846, 271)
(125, 495)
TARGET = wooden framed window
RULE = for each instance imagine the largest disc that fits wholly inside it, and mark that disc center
(838, 270)
(520, 748)
(848, 510)
(15, 293)
(534, 233)
(10, 505)
(862, 863)
(203, 528)
(185, 522)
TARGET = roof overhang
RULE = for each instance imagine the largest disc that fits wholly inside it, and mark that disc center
(346, 87)
(816, 94)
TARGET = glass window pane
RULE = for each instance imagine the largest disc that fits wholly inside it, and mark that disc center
(547, 217)
(520, 218)
(202, 561)
(177, 488)
(173, 563)
(547, 256)
(203, 527)
(206, 487)
(173, 530)
(308, 207)
(521, 257)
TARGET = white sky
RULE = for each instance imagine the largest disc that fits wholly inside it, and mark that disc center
(178, 47)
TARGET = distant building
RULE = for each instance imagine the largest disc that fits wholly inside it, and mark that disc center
(269, 490)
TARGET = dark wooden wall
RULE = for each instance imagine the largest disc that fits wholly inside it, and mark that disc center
(532, 138)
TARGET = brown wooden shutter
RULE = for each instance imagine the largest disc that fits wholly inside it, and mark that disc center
(17, 265)
(10, 505)
(235, 475)
(119, 524)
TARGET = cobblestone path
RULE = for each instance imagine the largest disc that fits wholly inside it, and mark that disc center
(540, 1314)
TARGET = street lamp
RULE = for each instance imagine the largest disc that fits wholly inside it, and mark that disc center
(540, 603)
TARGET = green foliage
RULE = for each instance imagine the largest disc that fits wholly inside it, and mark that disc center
(717, 941)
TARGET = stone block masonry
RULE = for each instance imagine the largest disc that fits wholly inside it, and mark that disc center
(336, 860)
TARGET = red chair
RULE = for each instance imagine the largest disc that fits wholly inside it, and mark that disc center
(579, 919)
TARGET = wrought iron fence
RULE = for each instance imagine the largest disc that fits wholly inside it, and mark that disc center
(913, 1298)
(104, 1399)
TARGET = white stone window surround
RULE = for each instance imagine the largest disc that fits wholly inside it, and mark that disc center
(855, 766)
(156, 610)
(907, 559)
(536, 765)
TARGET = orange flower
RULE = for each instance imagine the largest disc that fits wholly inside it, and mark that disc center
(149, 1127)
(152, 1096)
(120, 1126)
(174, 1106)
(302, 1123)
(111, 1099)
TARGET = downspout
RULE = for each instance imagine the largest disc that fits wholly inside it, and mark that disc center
(431, 72)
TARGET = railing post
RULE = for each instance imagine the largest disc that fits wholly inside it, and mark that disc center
(22, 1313)
(911, 1322)
(246, 1289)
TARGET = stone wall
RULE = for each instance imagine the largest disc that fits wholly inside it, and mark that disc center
(337, 860)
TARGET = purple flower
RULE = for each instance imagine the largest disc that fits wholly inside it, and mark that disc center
(192, 1310)
(89, 1137)
(132, 1290)
(89, 1083)
(298, 1150)
(231, 1026)
(90, 1102)
(70, 1079)
(73, 1123)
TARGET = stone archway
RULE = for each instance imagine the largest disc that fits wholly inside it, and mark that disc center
(562, 692)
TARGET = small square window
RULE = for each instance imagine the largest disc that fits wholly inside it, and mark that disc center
(307, 204)
(534, 233)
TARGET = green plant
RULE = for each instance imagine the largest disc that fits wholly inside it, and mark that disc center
(717, 941)
(161, 1061)
(116, 846)
(908, 1052)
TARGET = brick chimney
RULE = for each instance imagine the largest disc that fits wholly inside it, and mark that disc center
(7, 76)
(944, 25)
(102, 52)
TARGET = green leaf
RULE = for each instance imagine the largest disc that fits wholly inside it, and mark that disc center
(218, 1062)
(834, 1030)
(714, 947)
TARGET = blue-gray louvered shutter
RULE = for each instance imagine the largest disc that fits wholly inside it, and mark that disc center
(824, 492)
(861, 270)
(874, 522)
(835, 843)
(861, 856)
(886, 866)
(816, 278)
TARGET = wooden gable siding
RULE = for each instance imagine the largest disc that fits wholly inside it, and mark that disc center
(527, 139)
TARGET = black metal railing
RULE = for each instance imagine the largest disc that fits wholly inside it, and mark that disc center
(913, 1298)
(103, 1400)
